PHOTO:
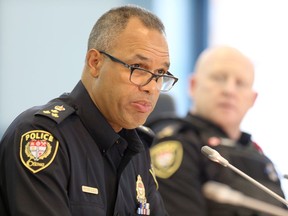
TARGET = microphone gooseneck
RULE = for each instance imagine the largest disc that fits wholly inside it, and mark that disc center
(213, 155)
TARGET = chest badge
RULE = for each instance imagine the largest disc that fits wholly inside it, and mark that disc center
(38, 149)
(143, 206)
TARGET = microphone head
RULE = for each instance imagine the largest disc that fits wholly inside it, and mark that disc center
(207, 151)
(214, 155)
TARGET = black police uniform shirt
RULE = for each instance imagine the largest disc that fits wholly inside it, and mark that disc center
(63, 159)
(182, 169)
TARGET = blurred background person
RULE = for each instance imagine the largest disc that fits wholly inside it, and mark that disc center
(221, 88)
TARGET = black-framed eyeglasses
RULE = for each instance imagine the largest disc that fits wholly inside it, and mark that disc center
(142, 77)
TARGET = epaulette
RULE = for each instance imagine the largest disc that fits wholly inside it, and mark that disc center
(169, 126)
(168, 131)
(257, 147)
(146, 133)
(57, 111)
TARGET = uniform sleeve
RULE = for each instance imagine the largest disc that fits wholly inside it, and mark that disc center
(177, 165)
(34, 173)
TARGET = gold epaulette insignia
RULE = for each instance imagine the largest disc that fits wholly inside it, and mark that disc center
(56, 111)
(165, 132)
(38, 149)
(166, 158)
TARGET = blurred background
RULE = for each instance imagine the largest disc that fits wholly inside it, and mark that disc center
(43, 46)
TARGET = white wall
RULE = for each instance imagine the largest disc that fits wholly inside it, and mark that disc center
(43, 46)
(259, 29)
(177, 20)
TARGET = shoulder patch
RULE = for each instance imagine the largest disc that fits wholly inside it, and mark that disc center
(56, 111)
(38, 149)
(166, 158)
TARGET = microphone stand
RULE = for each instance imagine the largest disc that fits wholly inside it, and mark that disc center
(213, 155)
(258, 184)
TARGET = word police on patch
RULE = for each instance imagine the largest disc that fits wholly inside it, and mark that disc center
(38, 149)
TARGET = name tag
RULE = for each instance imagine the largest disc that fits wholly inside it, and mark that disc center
(91, 190)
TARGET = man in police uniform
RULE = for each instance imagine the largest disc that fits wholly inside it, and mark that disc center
(222, 93)
(80, 154)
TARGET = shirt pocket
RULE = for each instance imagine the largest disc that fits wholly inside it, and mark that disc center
(87, 209)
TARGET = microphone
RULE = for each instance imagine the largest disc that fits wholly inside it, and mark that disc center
(213, 155)
(226, 195)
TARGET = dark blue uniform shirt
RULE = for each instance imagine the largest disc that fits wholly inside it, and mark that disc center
(64, 158)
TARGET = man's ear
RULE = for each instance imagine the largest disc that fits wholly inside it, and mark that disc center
(93, 62)
(192, 84)
(253, 98)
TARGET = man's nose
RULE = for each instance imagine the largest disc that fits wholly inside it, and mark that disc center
(151, 87)
(229, 86)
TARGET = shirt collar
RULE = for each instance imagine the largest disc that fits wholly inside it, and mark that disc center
(205, 124)
(134, 142)
(98, 127)
(92, 119)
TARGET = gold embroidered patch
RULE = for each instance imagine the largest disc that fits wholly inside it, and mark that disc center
(166, 158)
(38, 149)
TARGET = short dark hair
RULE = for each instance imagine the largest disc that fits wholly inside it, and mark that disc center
(114, 21)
